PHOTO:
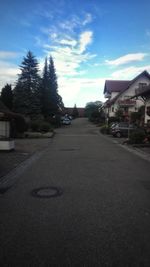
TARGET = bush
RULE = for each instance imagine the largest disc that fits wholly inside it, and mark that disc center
(35, 126)
(45, 127)
(137, 137)
(112, 120)
(104, 129)
(40, 126)
(20, 125)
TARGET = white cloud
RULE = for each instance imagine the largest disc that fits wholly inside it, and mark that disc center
(129, 73)
(88, 19)
(81, 90)
(69, 53)
(75, 22)
(8, 73)
(85, 39)
(69, 42)
(148, 32)
(7, 54)
(126, 59)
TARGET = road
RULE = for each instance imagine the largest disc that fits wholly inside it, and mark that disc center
(102, 217)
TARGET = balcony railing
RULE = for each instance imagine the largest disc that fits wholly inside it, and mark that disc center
(126, 103)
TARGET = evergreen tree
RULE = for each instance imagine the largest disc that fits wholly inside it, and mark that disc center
(7, 96)
(75, 113)
(54, 97)
(27, 90)
(45, 91)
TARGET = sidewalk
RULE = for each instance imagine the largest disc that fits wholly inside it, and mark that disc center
(24, 148)
(141, 150)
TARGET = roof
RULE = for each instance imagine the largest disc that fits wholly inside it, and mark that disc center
(125, 85)
(122, 85)
(115, 85)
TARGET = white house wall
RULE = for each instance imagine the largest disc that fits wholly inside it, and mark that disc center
(113, 94)
(147, 118)
(131, 92)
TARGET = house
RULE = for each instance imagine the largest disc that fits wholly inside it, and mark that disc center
(80, 111)
(119, 95)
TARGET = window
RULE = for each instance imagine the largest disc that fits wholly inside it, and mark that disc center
(126, 109)
(141, 85)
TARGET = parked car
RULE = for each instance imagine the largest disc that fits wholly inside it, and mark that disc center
(66, 121)
(123, 129)
(112, 125)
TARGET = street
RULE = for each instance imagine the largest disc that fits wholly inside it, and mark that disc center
(101, 217)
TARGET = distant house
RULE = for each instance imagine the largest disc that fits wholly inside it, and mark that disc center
(119, 95)
(80, 111)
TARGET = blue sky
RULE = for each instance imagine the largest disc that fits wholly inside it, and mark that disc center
(90, 41)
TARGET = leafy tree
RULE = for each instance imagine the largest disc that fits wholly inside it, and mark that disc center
(119, 114)
(138, 116)
(27, 90)
(7, 96)
(93, 110)
(75, 113)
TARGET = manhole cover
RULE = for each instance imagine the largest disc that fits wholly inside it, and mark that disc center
(47, 192)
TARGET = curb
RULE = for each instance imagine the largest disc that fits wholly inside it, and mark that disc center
(8, 180)
(134, 150)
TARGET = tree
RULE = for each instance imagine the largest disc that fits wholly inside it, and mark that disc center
(7, 96)
(27, 90)
(54, 96)
(138, 116)
(75, 113)
(93, 110)
(45, 91)
(119, 114)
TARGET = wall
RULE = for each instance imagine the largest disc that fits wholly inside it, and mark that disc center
(4, 129)
(147, 118)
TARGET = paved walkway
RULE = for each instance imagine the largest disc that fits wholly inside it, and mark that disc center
(24, 148)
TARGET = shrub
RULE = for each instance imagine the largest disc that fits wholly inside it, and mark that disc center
(20, 124)
(35, 126)
(137, 137)
(45, 127)
(104, 129)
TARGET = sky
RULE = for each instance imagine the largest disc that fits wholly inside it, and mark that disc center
(89, 40)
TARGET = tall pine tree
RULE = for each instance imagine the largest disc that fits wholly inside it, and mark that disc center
(54, 97)
(27, 90)
(7, 96)
(45, 91)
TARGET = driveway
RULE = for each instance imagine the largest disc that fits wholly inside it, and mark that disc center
(101, 216)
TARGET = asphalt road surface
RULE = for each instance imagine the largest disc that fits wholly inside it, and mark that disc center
(101, 216)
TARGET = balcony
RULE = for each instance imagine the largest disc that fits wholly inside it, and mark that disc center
(126, 103)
